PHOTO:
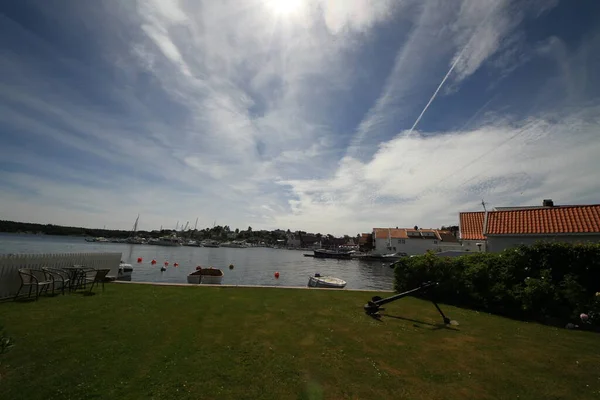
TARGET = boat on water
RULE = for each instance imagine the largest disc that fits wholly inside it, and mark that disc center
(380, 257)
(210, 243)
(167, 241)
(191, 243)
(125, 271)
(235, 244)
(340, 255)
(326, 282)
(209, 276)
(99, 239)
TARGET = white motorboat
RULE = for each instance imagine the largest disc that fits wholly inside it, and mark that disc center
(326, 282)
(125, 271)
(210, 276)
(168, 241)
(210, 243)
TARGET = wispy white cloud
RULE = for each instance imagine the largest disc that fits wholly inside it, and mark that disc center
(227, 110)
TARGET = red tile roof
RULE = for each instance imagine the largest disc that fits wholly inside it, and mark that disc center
(365, 238)
(401, 233)
(384, 233)
(471, 225)
(550, 220)
(532, 221)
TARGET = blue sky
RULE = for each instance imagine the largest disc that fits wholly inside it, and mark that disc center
(328, 116)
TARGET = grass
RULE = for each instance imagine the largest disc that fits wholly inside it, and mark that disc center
(136, 341)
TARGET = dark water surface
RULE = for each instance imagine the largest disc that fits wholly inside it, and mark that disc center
(253, 266)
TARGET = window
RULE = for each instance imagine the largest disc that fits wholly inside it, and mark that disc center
(401, 241)
(435, 242)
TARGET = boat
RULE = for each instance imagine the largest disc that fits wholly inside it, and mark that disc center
(133, 239)
(235, 244)
(167, 241)
(191, 243)
(210, 243)
(125, 271)
(326, 282)
(210, 276)
(380, 257)
(340, 255)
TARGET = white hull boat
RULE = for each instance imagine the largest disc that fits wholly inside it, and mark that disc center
(125, 272)
(326, 282)
(208, 276)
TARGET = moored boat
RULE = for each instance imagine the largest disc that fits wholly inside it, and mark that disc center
(210, 276)
(125, 271)
(210, 243)
(326, 282)
(340, 255)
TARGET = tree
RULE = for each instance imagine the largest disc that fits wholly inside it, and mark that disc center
(249, 229)
(237, 231)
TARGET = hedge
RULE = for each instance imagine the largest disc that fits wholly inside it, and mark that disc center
(547, 282)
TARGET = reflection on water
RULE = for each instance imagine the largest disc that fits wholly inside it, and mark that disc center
(253, 266)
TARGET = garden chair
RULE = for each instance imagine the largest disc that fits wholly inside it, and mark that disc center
(59, 275)
(85, 275)
(34, 278)
(99, 277)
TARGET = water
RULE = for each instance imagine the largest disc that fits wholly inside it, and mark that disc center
(252, 266)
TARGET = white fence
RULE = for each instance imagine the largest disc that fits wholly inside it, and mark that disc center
(10, 264)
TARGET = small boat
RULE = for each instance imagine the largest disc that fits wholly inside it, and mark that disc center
(210, 276)
(191, 243)
(380, 257)
(168, 241)
(340, 255)
(235, 244)
(210, 243)
(326, 282)
(125, 271)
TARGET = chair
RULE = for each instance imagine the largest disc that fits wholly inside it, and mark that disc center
(34, 278)
(99, 277)
(59, 275)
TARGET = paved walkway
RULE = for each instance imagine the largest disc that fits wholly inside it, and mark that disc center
(249, 286)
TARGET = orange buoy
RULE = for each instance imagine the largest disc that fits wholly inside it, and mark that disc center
(166, 263)
(153, 262)
(139, 259)
(276, 275)
(175, 264)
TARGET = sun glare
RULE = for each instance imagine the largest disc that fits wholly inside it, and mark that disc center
(284, 7)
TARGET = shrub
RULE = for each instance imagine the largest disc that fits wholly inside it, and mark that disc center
(544, 282)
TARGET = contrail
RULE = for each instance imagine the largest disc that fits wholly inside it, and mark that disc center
(438, 89)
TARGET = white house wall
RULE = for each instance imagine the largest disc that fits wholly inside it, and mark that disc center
(410, 246)
(471, 245)
(499, 243)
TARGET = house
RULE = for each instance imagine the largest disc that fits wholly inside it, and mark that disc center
(365, 242)
(412, 241)
(506, 227)
(471, 231)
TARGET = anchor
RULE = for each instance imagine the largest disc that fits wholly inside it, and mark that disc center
(373, 307)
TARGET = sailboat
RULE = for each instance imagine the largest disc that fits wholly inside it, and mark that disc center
(132, 239)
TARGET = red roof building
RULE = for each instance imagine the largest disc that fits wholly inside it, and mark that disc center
(508, 227)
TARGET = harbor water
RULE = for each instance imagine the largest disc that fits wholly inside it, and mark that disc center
(252, 266)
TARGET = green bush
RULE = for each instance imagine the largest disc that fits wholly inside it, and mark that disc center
(547, 282)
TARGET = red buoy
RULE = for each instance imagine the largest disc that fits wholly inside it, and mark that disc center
(153, 262)
(198, 268)
(176, 265)
(139, 259)
(276, 275)
(166, 263)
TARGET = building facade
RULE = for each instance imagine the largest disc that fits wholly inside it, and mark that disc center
(411, 241)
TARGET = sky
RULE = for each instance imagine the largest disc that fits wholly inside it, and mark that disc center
(325, 116)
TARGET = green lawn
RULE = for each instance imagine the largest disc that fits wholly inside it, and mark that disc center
(150, 342)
